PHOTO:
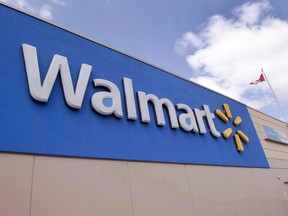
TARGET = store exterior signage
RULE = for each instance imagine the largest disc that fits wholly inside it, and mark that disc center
(189, 120)
(275, 135)
(82, 92)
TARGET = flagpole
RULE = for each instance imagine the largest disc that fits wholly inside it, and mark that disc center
(275, 97)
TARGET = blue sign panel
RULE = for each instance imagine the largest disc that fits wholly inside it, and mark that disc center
(275, 135)
(62, 94)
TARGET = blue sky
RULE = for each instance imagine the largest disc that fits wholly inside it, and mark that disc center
(220, 44)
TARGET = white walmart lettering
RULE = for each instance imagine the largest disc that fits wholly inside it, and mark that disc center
(190, 120)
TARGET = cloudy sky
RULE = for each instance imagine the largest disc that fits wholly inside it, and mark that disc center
(220, 44)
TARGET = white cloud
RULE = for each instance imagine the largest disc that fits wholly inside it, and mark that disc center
(250, 13)
(44, 10)
(59, 2)
(22, 4)
(228, 54)
(188, 41)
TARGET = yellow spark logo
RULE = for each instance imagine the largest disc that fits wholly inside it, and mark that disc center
(239, 135)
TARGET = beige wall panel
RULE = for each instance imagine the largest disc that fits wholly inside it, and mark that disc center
(256, 112)
(278, 125)
(284, 163)
(160, 189)
(268, 123)
(275, 163)
(258, 127)
(271, 200)
(276, 154)
(210, 191)
(266, 144)
(279, 176)
(271, 149)
(15, 184)
(284, 177)
(286, 193)
(262, 121)
(261, 135)
(260, 117)
(285, 180)
(281, 147)
(73, 187)
(244, 191)
(285, 148)
(277, 147)
(272, 145)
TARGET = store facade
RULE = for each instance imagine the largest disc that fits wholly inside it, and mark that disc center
(89, 130)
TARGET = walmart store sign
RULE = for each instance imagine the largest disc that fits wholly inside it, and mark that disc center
(192, 125)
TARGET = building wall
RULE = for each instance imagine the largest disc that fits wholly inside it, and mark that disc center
(272, 150)
(42, 185)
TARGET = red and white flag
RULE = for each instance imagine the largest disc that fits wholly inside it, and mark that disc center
(261, 79)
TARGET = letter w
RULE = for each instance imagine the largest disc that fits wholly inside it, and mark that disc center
(59, 63)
